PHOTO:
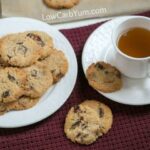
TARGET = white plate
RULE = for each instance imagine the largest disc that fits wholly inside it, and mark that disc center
(99, 48)
(55, 97)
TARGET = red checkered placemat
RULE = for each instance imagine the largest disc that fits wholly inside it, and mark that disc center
(130, 130)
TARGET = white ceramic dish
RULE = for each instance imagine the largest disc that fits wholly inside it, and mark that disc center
(99, 47)
(56, 96)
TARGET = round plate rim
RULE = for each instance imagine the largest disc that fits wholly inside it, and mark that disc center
(73, 80)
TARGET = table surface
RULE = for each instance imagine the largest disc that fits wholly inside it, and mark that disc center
(130, 129)
(131, 125)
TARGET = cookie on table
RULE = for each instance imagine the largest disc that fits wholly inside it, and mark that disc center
(39, 79)
(82, 125)
(20, 104)
(104, 77)
(12, 81)
(104, 112)
(43, 40)
(57, 64)
(58, 4)
(18, 50)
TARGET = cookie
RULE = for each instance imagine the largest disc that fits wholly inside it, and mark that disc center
(104, 112)
(57, 64)
(39, 79)
(43, 40)
(104, 77)
(58, 4)
(12, 82)
(18, 50)
(20, 104)
(82, 125)
(2, 109)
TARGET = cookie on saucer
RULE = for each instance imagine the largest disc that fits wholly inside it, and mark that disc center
(104, 77)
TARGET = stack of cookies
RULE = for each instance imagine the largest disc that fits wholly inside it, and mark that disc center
(29, 65)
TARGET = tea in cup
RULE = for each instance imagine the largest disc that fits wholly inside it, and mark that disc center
(131, 40)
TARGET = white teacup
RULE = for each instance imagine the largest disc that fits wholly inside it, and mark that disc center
(130, 66)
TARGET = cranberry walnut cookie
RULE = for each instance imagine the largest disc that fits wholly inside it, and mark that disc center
(39, 79)
(16, 50)
(104, 77)
(57, 64)
(59, 4)
(20, 104)
(82, 125)
(86, 122)
(104, 112)
(12, 82)
(43, 40)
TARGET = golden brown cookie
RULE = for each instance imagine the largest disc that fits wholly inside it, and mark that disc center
(12, 81)
(18, 50)
(58, 4)
(43, 40)
(39, 79)
(82, 125)
(57, 64)
(20, 104)
(104, 112)
(2, 109)
(104, 77)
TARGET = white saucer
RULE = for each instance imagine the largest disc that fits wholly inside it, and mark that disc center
(99, 48)
(56, 96)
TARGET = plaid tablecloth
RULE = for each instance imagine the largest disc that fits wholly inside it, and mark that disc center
(130, 130)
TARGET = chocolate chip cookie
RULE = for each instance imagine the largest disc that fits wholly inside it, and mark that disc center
(58, 4)
(57, 64)
(20, 104)
(39, 79)
(43, 40)
(104, 112)
(12, 82)
(18, 50)
(2, 109)
(82, 125)
(104, 77)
